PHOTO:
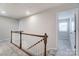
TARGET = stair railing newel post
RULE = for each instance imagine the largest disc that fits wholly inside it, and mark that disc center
(45, 44)
(20, 39)
(11, 37)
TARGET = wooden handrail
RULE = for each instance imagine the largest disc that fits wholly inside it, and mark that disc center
(35, 44)
(28, 34)
(16, 32)
(44, 38)
(33, 35)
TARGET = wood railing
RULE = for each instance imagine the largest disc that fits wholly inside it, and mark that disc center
(20, 47)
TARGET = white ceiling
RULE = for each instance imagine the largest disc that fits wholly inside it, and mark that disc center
(18, 10)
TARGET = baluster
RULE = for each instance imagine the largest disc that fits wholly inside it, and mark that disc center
(20, 39)
(11, 37)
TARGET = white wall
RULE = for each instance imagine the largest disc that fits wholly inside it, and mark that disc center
(40, 24)
(6, 25)
(44, 22)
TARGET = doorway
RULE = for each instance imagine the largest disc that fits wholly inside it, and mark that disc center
(66, 34)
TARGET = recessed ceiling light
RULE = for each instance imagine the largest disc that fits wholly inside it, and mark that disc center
(27, 13)
(3, 12)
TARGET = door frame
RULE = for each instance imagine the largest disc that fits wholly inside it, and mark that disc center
(76, 14)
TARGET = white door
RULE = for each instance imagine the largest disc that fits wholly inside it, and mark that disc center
(64, 33)
(63, 29)
(67, 33)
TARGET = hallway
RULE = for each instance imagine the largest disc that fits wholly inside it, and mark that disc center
(33, 24)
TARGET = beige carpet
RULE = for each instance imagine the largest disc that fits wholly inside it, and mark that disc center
(7, 49)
